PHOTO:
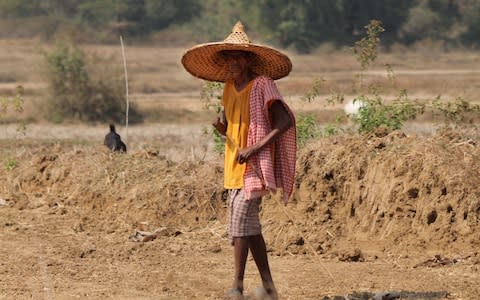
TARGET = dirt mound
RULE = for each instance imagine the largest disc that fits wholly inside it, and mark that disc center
(356, 197)
(404, 194)
(110, 191)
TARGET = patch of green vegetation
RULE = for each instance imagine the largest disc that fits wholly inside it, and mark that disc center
(211, 96)
(16, 104)
(374, 113)
(307, 129)
(10, 163)
(455, 112)
(76, 95)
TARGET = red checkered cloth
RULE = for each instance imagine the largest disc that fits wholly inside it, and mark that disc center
(274, 174)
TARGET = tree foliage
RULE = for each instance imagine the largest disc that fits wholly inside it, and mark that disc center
(302, 25)
(471, 36)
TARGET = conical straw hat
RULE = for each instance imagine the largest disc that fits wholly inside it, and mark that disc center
(205, 61)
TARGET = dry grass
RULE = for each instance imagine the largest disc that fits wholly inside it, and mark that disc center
(159, 85)
(170, 141)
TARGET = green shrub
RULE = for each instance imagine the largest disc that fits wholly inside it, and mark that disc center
(15, 103)
(12, 102)
(76, 95)
(218, 139)
(211, 95)
(335, 128)
(374, 112)
(457, 111)
(307, 129)
(10, 163)
(314, 91)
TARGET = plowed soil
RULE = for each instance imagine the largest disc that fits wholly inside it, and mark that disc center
(371, 215)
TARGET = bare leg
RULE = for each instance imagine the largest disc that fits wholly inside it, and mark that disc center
(259, 253)
(240, 252)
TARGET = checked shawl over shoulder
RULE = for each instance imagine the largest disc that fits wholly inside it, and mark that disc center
(280, 172)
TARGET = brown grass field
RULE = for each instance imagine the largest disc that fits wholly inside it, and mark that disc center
(164, 91)
(388, 212)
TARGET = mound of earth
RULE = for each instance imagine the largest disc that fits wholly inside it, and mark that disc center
(391, 192)
(356, 197)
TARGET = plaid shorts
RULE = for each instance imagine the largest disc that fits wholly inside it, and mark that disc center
(243, 216)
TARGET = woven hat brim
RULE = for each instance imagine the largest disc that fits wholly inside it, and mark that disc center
(205, 61)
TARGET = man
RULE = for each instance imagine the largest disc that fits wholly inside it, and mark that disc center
(260, 147)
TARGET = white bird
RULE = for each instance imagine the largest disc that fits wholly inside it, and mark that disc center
(352, 107)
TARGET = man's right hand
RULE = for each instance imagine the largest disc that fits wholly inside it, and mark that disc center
(220, 127)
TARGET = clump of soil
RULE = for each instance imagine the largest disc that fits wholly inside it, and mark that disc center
(356, 197)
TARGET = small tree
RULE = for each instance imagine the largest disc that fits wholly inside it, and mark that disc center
(365, 50)
(75, 95)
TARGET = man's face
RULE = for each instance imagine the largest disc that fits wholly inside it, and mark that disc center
(237, 62)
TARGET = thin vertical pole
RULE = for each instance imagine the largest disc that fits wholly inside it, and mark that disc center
(126, 89)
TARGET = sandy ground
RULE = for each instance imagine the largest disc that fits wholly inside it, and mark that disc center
(43, 257)
(381, 213)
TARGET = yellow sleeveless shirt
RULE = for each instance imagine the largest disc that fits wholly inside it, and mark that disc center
(237, 112)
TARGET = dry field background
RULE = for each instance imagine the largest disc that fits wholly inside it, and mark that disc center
(166, 93)
(386, 212)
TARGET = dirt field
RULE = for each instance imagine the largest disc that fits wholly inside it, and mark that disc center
(370, 214)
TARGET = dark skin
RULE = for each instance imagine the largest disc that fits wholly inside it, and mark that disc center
(239, 66)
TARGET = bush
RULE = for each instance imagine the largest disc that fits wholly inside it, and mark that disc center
(472, 27)
(307, 129)
(16, 104)
(423, 21)
(211, 97)
(457, 111)
(75, 95)
(374, 113)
